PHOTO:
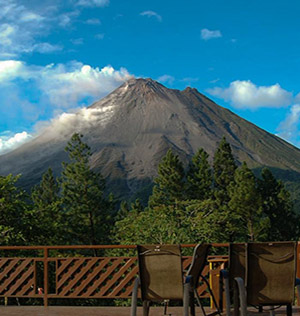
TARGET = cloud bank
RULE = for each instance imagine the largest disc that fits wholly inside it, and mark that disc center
(65, 85)
(247, 95)
(54, 89)
(8, 143)
(289, 128)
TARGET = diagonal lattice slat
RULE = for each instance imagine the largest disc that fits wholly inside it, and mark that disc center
(82, 273)
(17, 277)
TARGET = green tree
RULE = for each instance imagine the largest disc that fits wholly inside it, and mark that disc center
(86, 208)
(277, 206)
(224, 167)
(47, 210)
(15, 213)
(209, 223)
(199, 177)
(169, 185)
(245, 205)
(163, 224)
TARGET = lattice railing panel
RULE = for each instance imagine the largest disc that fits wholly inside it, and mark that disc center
(108, 277)
(95, 277)
(17, 277)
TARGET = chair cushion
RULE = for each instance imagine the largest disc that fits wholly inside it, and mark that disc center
(160, 271)
(271, 273)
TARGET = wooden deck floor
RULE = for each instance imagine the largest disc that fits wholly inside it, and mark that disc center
(103, 311)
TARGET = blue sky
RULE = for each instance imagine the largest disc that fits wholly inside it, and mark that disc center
(59, 56)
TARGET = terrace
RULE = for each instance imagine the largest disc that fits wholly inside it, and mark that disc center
(49, 274)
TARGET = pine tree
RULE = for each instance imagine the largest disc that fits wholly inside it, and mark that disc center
(169, 185)
(15, 213)
(199, 177)
(47, 210)
(47, 192)
(82, 193)
(245, 205)
(224, 166)
(277, 206)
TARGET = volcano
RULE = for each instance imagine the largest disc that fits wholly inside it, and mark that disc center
(131, 129)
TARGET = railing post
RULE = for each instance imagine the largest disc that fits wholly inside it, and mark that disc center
(46, 254)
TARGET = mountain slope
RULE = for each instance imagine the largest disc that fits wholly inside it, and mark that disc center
(132, 128)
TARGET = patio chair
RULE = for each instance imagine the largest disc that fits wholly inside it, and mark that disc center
(262, 274)
(161, 276)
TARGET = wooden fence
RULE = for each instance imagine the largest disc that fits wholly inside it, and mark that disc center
(54, 274)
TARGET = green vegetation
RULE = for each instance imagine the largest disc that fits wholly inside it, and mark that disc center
(217, 203)
(226, 203)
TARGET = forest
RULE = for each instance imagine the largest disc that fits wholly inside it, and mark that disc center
(212, 202)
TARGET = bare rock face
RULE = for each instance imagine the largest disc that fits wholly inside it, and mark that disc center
(133, 127)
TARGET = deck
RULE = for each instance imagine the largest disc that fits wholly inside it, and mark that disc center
(104, 311)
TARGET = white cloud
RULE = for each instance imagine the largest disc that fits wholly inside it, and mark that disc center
(8, 143)
(66, 86)
(67, 123)
(46, 48)
(93, 3)
(31, 16)
(297, 98)
(65, 19)
(57, 88)
(10, 69)
(166, 78)
(20, 30)
(93, 21)
(207, 34)
(150, 14)
(245, 94)
(289, 128)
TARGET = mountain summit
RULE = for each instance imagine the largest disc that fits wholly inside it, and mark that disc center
(132, 128)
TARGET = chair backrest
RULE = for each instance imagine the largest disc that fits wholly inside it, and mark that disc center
(237, 262)
(160, 271)
(271, 273)
(198, 262)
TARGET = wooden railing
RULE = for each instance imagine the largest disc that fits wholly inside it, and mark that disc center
(54, 274)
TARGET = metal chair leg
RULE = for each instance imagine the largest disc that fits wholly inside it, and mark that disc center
(289, 310)
(186, 298)
(146, 307)
(227, 296)
(199, 303)
(134, 297)
(192, 304)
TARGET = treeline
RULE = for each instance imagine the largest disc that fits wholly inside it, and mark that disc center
(217, 203)
(69, 210)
